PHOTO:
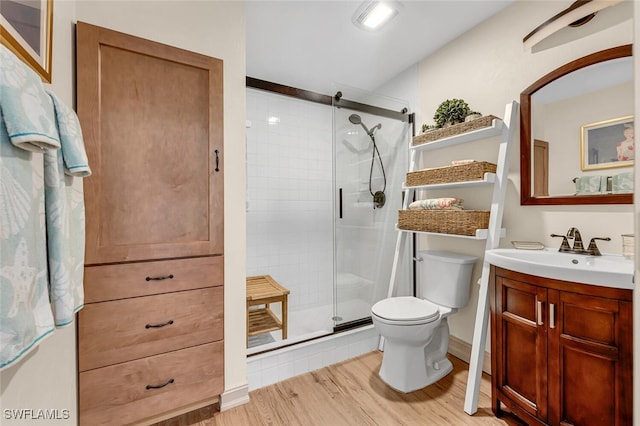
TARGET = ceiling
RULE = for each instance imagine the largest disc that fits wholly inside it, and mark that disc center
(313, 45)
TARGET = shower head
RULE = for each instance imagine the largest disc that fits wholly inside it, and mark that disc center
(355, 119)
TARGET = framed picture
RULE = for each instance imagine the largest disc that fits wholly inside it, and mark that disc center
(607, 144)
(26, 29)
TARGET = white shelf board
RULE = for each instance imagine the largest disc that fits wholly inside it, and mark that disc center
(481, 234)
(486, 132)
(488, 179)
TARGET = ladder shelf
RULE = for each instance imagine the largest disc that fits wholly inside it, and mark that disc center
(505, 129)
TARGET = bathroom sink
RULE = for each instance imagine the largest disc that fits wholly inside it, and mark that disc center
(607, 270)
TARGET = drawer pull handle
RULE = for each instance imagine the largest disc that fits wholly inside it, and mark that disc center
(159, 325)
(160, 386)
(164, 277)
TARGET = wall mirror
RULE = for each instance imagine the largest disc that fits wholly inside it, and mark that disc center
(576, 132)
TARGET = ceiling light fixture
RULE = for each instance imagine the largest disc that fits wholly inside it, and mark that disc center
(373, 14)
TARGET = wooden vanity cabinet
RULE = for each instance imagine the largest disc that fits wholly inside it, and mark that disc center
(561, 351)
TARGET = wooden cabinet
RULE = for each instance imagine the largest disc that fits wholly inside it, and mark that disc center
(152, 119)
(150, 336)
(561, 351)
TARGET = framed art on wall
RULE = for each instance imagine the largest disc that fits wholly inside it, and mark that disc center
(607, 144)
(26, 28)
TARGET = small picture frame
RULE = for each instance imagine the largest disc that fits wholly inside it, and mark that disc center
(607, 144)
(26, 28)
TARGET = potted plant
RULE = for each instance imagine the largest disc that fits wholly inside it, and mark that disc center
(451, 111)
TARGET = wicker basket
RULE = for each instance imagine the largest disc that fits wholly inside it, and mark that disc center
(460, 222)
(454, 130)
(448, 174)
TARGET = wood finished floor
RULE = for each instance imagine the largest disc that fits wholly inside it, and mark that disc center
(351, 393)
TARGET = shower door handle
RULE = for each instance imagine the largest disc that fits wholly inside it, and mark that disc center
(340, 202)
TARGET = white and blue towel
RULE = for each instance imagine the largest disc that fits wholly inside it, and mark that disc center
(64, 207)
(40, 284)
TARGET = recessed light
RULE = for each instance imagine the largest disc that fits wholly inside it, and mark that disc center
(373, 14)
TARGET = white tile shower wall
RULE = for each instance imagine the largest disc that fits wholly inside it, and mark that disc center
(276, 366)
(289, 195)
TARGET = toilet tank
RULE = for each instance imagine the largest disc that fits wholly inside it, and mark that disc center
(445, 277)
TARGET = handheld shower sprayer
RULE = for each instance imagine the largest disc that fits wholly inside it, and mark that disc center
(379, 197)
(355, 119)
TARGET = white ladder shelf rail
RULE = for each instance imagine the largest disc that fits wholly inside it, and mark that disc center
(493, 241)
(505, 129)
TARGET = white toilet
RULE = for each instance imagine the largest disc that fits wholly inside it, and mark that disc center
(415, 330)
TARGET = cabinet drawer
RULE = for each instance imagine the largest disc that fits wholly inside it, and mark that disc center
(125, 393)
(110, 282)
(124, 330)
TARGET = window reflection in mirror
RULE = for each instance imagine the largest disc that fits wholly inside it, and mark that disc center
(573, 120)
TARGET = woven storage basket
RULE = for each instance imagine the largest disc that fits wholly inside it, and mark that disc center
(460, 222)
(447, 174)
(454, 130)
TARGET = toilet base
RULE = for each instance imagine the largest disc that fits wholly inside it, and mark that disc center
(407, 368)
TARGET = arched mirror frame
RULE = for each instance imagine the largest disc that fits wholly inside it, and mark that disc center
(526, 197)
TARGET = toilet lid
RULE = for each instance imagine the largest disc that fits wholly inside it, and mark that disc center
(405, 309)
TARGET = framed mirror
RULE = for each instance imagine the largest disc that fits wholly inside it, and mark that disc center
(576, 132)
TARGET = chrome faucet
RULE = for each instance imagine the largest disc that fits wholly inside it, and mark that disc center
(578, 246)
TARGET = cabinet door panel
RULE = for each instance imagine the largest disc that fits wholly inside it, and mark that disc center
(590, 358)
(152, 120)
(587, 383)
(522, 351)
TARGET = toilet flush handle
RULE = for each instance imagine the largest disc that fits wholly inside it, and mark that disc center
(418, 259)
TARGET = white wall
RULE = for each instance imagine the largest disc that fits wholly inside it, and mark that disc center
(488, 67)
(47, 378)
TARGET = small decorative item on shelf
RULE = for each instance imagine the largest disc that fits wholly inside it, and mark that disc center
(472, 116)
(450, 112)
(452, 117)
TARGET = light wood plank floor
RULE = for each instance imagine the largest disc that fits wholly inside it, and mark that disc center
(351, 393)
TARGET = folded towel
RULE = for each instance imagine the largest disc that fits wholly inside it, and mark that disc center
(26, 108)
(591, 185)
(462, 162)
(72, 145)
(437, 204)
(622, 183)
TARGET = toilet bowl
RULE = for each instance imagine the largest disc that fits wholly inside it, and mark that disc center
(416, 330)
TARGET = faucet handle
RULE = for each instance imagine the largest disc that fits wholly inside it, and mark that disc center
(593, 248)
(565, 243)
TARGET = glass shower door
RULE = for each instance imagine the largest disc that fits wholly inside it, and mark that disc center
(371, 160)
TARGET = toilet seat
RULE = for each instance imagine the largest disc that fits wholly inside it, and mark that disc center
(406, 311)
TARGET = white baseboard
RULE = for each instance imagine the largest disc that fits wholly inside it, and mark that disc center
(461, 349)
(234, 397)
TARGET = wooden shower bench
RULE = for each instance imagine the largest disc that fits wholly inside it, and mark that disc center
(264, 290)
